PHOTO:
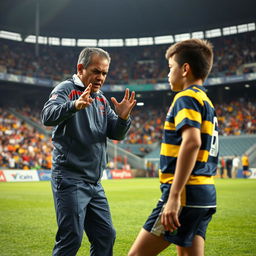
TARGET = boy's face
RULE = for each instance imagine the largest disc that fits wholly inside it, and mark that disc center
(175, 77)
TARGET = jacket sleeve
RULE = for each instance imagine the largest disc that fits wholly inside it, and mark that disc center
(58, 108)
(117, 127)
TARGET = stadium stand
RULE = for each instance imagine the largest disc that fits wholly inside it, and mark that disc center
(229, 146)
(138, 65)
(234, 55)
(237, 127)
(237, 117)
(236, 145)
(22, 147)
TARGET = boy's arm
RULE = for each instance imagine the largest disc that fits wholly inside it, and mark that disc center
(189, 148)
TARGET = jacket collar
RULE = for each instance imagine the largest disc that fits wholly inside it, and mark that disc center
(77, 81)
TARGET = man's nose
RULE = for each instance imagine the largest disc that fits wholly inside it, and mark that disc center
(100, 76)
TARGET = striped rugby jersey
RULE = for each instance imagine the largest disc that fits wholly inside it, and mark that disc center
(192, 107)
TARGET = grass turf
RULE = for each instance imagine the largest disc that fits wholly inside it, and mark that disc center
(27, 218)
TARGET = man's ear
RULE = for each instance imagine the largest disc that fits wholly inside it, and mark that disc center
(80, 68)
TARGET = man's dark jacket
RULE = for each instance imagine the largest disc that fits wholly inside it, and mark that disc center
(80, 137)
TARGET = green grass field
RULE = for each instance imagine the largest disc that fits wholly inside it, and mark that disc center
(27, 218)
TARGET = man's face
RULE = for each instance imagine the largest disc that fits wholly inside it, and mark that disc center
(175, 75)
(95, 73)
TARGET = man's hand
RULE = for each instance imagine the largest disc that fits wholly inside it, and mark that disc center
(85, 99)
(124, 108)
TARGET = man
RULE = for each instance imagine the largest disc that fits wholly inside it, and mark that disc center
(83, 120)
(229, 163)
(235, 166)
(245, 164)
(222, 167)
(188, 158)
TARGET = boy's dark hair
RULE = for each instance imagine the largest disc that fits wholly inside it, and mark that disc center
(196, 52)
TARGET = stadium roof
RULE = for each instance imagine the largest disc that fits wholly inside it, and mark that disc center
(98, 19)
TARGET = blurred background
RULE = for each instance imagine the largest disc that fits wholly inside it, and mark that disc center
(39, 46)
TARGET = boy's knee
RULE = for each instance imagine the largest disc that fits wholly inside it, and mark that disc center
(133, 253)
(130, 254)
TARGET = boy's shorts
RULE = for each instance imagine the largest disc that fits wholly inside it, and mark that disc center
(194, 221)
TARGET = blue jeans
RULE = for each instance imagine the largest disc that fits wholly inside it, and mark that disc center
(81, 206)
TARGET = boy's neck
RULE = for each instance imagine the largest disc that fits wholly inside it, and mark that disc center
(194, 82)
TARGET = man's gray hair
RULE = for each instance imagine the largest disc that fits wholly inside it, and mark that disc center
(86, 54)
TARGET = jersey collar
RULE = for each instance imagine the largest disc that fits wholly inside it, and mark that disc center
(200, 87)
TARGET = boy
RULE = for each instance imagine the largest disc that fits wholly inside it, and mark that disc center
(188, 158)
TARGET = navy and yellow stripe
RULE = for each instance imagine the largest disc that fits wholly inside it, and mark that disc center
(198, 196)
(193, 179)
(190, 107)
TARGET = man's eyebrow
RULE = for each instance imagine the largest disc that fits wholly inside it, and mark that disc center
(100, 71)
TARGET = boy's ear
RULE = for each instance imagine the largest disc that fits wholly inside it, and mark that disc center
(185, 68)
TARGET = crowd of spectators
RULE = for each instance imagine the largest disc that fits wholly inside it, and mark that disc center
(232, 53)
(144, 64)
(236, 117)
(146, 127)
(22, 147)
(34, 114)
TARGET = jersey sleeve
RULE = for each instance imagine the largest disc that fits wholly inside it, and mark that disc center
(187, 111)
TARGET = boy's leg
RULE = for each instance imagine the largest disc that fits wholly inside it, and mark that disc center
(197, 248)
(147, 244)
